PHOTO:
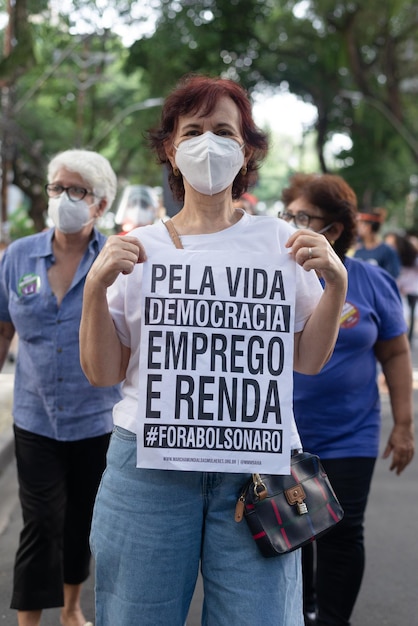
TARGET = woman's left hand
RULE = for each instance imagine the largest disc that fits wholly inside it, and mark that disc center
(313, 252)
(401, 446)
(394, 355)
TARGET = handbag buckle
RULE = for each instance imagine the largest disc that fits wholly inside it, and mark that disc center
(296, 495)
(260, 489)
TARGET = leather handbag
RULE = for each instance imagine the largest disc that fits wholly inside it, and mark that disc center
(286, 512)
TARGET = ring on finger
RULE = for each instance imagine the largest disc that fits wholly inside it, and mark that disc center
(309, 253)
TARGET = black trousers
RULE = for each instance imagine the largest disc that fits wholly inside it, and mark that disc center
(333, 568)
(412, 302)
(58, 482)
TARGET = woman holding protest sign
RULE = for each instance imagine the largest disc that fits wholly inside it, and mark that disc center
(205, 340)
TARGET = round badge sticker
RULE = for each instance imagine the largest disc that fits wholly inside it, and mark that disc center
(29, 284)
(350, 315)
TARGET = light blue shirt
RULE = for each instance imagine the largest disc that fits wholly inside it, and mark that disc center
(52, 396)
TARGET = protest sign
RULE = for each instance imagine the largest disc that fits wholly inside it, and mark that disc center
(216, 364)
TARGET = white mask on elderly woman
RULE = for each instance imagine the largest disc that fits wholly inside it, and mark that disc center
(69, 217)
(209, 162)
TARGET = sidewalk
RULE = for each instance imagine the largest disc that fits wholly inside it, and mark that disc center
(6, 421)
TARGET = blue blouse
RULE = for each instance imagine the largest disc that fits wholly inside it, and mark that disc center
(52, 396)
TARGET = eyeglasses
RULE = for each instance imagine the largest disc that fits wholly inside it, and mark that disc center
(301, 219)
(74, 193)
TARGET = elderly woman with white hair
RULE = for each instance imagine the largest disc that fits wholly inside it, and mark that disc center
(61, 424)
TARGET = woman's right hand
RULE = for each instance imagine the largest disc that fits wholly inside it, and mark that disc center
(118, 255)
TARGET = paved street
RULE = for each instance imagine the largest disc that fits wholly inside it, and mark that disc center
(389, 596)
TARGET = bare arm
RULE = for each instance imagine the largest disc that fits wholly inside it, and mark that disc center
(103, 358)
(315, 343)
(395, 358)
(7, 331)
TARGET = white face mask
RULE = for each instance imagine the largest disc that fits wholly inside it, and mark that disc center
(209, 163)
(69, 217)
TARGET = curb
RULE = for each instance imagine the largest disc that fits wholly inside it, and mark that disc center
(7, 451)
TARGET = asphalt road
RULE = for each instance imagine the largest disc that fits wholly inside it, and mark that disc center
(389, 595)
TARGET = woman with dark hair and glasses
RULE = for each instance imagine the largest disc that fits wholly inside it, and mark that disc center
(338, 410)
(62, 424)
(166, 502)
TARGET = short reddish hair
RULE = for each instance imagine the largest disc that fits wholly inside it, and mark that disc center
(333, 195)
(195, 92)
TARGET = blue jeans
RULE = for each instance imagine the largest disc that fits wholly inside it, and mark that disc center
(152, 528)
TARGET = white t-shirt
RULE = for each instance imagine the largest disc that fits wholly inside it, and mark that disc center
(408, 281)
(260, 234)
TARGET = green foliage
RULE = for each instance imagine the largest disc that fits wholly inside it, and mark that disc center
(76, 84)
(70, 99)
(355, 61)
(19, 43)
(287, 154)
(211, 37)
(20, 224)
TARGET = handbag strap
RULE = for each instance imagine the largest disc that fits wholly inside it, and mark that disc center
(173, 233)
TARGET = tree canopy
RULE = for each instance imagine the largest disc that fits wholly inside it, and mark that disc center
(354, 61)
(69, 80)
